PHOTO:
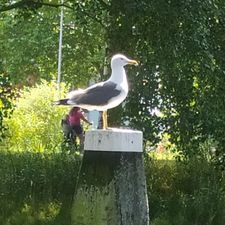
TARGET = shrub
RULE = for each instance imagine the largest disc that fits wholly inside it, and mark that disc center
(185, 193)
(35, 122)
(5, 102)
(37, 188)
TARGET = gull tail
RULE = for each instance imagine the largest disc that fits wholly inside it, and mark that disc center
(61, 102)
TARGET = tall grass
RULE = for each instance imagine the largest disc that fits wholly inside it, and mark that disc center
(185, 193)
(37, 189)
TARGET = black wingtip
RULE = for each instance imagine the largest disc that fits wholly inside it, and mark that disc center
(61, 102)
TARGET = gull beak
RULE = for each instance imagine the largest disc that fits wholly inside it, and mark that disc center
(133, 62)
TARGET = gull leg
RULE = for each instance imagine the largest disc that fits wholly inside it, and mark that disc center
(104, 118)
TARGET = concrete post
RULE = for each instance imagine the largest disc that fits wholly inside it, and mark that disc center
(111, 188)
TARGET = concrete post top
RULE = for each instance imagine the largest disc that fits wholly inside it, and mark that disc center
(115, 140)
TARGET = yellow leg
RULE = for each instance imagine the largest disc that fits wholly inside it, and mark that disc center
(104, 118)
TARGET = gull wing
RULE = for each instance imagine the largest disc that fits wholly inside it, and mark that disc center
(96, 95)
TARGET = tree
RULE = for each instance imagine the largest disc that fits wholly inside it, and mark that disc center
(35, 123)
(29, 5)
(29, 45)
(5, 102)
(179, 45)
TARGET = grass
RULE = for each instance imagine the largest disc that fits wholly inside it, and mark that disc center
(185, 193)
(37, 189)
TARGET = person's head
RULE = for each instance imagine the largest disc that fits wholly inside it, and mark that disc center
(75, 109)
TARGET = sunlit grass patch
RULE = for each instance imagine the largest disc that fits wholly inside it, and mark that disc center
(29, 213)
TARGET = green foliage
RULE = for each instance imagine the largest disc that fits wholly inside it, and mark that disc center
(37, 188)
(29, 46)
(181, 70)
(185, 193)
(180, 46)
(35, 122)
(5, 102)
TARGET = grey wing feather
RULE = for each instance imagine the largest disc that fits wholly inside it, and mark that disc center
(98, 95)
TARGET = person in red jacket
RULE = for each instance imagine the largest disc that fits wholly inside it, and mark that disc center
(74, 120)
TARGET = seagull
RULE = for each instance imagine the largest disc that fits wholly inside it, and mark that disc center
(104, 95)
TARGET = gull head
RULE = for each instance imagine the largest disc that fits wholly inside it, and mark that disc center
(121, 60)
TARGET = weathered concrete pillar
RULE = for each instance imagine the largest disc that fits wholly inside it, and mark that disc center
(111, 188)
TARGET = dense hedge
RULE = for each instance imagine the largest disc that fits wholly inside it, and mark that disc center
(38, 189)
(185, 193)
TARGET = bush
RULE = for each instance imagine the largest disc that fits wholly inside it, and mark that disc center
(35, 122)
(5, 102)
(37, 188)
(185, 193)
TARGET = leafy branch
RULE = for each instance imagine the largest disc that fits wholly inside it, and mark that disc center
(30, 4)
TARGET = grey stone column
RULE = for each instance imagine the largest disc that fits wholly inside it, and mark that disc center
(111, 188)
